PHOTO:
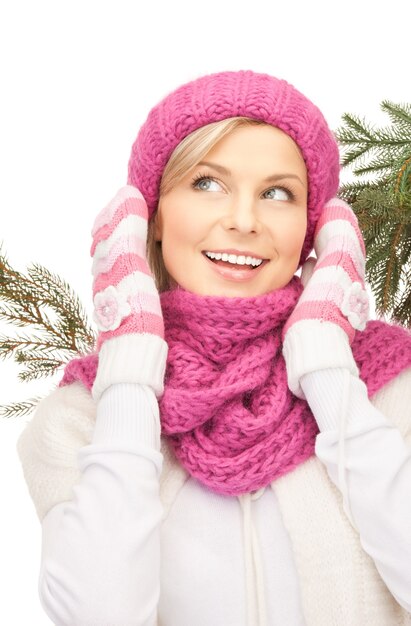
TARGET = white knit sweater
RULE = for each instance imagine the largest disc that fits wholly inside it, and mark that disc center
(129, 539)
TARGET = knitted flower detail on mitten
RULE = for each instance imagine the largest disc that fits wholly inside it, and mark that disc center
(334, 303)
(356, 306)
(110, 308)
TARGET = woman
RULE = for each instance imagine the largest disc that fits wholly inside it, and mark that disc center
(231, 467)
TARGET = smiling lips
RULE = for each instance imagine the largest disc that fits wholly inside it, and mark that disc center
(233, 259)
(233, 271)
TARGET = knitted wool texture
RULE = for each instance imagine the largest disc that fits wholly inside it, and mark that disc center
(224, 95)
(226, 408)
(123, 288)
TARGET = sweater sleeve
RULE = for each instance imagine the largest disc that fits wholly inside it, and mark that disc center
(377, 465)
(100, 560)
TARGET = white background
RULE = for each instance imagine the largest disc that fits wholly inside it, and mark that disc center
(77, 80)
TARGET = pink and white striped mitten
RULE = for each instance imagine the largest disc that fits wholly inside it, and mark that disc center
(334, 303)
(127, 307)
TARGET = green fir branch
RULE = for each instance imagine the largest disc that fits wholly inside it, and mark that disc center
(56, 323)
(399, 113)
(38, 368)
(380, 160)
(402, 302)
(19, 409)
(25, 342)
(356, 128)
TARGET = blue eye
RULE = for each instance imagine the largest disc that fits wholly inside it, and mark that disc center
(200, 179)
(281, 193)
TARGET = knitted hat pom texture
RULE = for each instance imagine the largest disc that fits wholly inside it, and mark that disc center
(223, 95)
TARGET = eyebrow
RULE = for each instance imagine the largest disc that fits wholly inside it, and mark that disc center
(269, 179)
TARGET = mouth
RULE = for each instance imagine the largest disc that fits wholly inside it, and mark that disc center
(238, 272)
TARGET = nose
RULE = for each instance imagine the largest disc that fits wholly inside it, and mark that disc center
(242, 217)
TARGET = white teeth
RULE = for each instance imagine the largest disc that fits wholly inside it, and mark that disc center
(234, 259)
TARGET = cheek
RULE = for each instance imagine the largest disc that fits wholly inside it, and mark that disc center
(178, 230)
(290, 234)
(180, 235)
(185, 223)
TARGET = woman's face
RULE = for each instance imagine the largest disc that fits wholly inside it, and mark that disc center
(245, 206)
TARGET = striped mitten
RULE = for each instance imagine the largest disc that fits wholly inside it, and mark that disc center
(334, 303)
(127, 307)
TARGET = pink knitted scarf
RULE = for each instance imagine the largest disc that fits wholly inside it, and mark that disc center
(226, 409)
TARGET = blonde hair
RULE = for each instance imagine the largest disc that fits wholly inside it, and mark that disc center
(185, 156)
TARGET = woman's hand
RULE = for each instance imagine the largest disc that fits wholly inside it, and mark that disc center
(127, 306)
(334, 303)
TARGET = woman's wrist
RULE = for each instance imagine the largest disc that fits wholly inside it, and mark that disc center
(133, 358)
(324, 392)
(313, 345)
(128, 412)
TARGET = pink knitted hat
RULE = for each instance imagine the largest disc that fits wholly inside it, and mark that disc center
(223, 95)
